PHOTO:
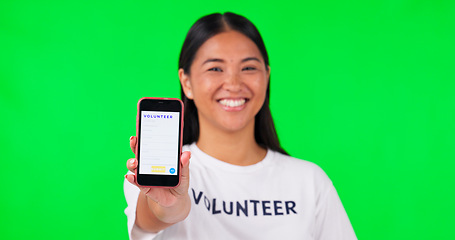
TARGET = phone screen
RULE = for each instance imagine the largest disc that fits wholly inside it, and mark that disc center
(159, 145)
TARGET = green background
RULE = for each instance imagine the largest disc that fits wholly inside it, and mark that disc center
(365, 89)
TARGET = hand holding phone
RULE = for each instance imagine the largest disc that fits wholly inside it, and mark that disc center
(174, 203)
(159, 142)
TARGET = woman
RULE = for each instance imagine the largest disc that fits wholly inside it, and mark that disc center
(243, 184)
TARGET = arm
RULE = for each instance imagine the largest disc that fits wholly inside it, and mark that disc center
(152, 217)
(159, 208)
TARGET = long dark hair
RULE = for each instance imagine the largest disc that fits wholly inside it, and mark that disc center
(205, 28)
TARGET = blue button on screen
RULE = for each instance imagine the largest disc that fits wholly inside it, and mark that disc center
(172, 170)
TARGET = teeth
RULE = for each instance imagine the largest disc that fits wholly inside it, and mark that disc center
(232, 102)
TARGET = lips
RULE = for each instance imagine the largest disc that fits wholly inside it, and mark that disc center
(232, 102)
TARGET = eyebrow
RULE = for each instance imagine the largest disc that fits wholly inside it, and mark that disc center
(251, 59)
(212, 60)
(221, 60)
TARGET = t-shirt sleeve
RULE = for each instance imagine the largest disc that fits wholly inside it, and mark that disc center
(332, 222)
(131, 195)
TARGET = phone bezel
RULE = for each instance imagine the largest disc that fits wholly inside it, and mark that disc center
(163, 105)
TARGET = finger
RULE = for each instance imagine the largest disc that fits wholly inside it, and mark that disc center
(185, 174)
(185, 158)
(130, 178)
(133, 143)
(131, 164)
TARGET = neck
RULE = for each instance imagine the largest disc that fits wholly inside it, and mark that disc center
(234, 147)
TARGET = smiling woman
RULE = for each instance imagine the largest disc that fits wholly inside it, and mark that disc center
(202, 31)
(227, 81)
(243, 184)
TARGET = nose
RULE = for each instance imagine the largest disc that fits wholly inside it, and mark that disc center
(233, 83)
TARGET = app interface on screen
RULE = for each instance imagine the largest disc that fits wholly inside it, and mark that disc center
(159, 142)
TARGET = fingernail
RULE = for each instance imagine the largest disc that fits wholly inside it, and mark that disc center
(132, 160)
(131, 138)
(126, 175)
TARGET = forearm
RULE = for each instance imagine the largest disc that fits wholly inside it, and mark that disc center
(152, 217)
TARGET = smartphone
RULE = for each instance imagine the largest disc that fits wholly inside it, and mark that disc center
(159, 145)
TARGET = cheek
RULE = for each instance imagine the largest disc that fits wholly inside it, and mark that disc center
(259, 86)
(203, 88)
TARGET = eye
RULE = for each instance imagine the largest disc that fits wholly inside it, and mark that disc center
(215, 69)
(248, 68)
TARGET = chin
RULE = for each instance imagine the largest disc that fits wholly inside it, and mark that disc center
(235, 125)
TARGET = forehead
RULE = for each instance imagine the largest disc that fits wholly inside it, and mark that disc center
(228, 45)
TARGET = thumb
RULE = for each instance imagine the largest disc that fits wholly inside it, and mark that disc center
(185, 173)
(185, 159)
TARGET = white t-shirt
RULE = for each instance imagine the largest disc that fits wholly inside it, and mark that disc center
(280, 197)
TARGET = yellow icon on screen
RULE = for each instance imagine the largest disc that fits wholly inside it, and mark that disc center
(160, 169)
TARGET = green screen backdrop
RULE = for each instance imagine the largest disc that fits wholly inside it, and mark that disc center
(365, 89)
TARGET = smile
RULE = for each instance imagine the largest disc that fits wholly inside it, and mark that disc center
(232, 102)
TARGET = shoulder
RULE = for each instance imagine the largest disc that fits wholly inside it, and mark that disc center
(298, 164)
(299, 168)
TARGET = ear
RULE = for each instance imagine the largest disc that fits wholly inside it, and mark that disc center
(268, 72)
(186, 84)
